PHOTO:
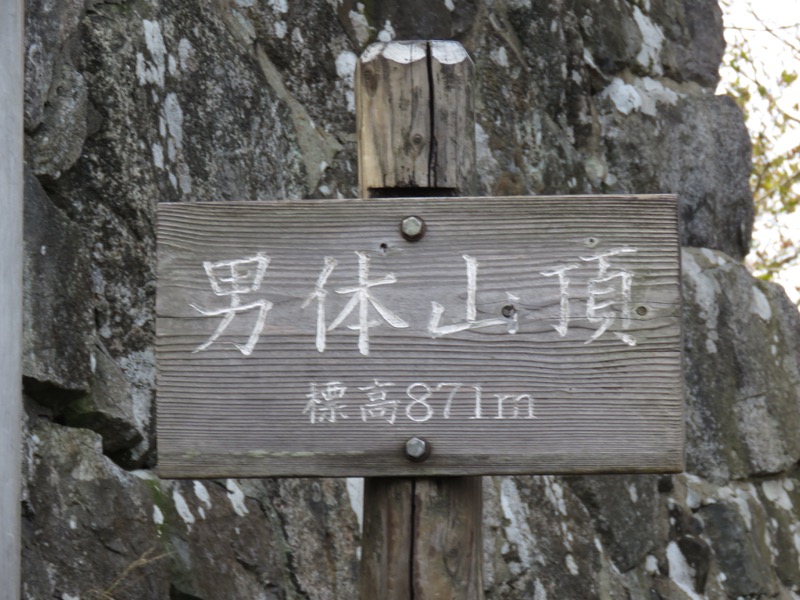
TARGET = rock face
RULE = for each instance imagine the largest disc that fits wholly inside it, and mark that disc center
(57, 298)
(132, 103)
(743, 399)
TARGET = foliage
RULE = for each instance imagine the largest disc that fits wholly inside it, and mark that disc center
(760, 70)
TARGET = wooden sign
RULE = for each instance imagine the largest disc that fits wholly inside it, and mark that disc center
(419, 337)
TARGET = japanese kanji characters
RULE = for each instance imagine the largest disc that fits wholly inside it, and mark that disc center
(601, 300)
(320, 294)
(379, 406)
(471, 321)
(232, 278)
(419, 402)
(607, 290)
(325, 402)
(362, 298)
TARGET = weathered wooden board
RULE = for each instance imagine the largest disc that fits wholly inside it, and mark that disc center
(310, 338)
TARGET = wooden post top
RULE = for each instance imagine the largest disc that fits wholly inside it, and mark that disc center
(417, 98)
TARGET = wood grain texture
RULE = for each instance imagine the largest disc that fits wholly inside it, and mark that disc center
(447, 539)
(415, 117)
(11, 258)
(393, 109)
(453, 118)
(441, 519)
(600, 405)
(422, 535)
(388, 538)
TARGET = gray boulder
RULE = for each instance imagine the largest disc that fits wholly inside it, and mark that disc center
(57, 299)
(742, 365)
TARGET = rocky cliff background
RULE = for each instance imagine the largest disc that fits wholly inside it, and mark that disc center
(133, 102)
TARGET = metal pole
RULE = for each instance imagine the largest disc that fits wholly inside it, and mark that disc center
(11, 194)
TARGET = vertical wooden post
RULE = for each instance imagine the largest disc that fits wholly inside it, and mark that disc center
(416, 133)
(11, 186)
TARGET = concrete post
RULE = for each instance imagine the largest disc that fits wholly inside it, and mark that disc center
(11, 188)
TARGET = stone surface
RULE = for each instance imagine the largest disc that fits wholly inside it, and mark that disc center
(51, 28)
(413, 19)
(700, 152)
(539, 542)
(108, 408)
(58, 141)
(625, 509)
(560, 111)
(57, 324)
(743, 397)
(780, 498)
(132, 103)
(738, 546)
(93, 531)
(131, 536)
(698, 54)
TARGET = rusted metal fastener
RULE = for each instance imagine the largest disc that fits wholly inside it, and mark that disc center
(417, 449)
(412, 228)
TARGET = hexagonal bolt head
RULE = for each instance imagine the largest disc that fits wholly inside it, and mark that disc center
(412, 228)
(417, 449)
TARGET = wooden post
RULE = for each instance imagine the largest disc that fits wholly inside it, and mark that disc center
(11, 186)
(415, 118)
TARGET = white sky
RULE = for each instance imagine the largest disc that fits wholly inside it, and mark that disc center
(772, 56)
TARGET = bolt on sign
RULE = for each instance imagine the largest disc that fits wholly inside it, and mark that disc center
(419, 337)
